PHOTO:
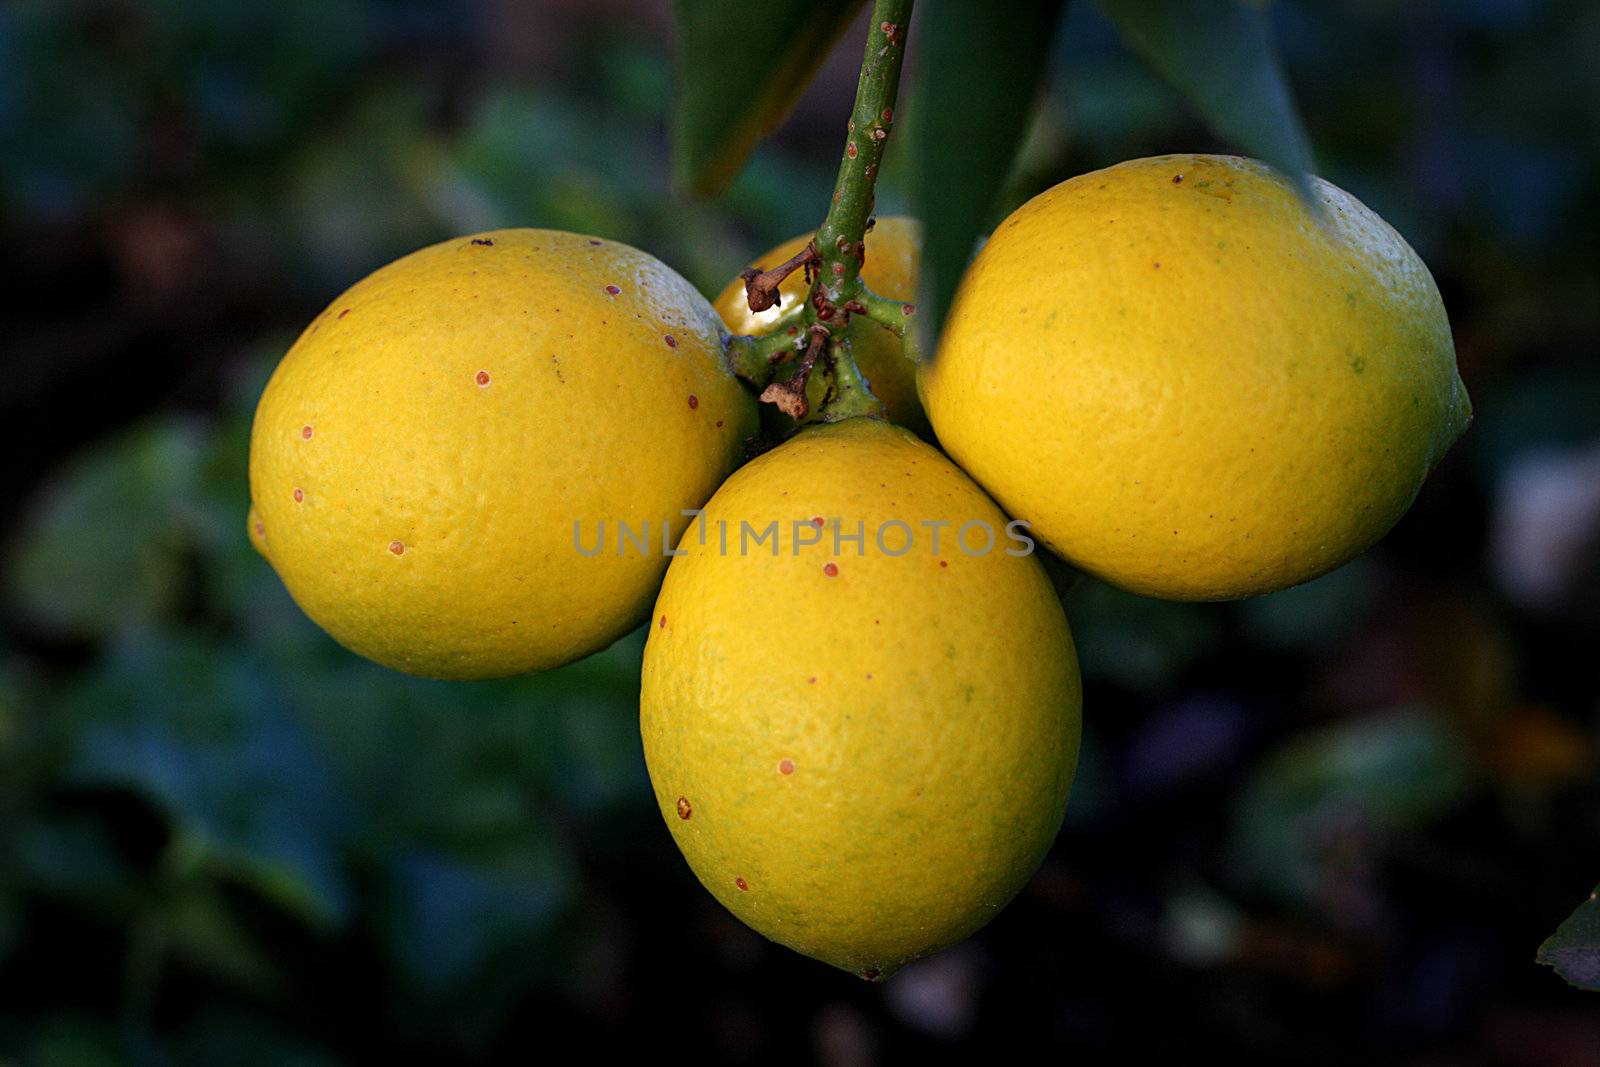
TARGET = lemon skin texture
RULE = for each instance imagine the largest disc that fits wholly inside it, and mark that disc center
(1190, 385)
(894, 252)
(862, 756)
(420, 456)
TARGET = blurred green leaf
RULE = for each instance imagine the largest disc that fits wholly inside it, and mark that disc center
(202, 733)
(1574, 949)
(104, 548)
(1138, 642)
(741, 68)
(74, 859)
(1221, 56)
(258, 74)
(1306, 804)
(74, 1041)
(978, 76)
(369, 194)
(242, 1041)
(59, 150)
(202, 932)
(450, 916)
(1314, 616)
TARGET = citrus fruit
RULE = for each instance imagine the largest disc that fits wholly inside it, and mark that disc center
(442, 465)
(1190, 384)
(863, 748)
(894, 250)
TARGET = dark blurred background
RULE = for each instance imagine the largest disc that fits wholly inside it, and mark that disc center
(1328, 826)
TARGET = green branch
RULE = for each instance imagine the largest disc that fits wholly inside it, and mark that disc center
(839, 251)
(839, 241)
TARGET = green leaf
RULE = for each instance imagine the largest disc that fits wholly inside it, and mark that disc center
(1574, 949)
(205, 934)
(741, 69)
(1138, 642)
(450, 916)
(978, 75)
(104, 548)
(1220, 55)
(1349, 783)
(203, 734)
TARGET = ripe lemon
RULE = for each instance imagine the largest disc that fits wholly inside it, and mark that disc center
(1192, 386)
(862, 754)
(894, 251)
(422, 454)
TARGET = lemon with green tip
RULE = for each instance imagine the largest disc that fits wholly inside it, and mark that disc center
(442, 465)
(1192, 385)
(861, 730)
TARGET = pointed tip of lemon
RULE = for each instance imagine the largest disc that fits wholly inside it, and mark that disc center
(257, 532)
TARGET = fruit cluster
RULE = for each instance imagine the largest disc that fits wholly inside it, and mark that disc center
(860, 703)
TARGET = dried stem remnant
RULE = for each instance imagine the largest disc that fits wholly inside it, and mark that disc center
(761, 286)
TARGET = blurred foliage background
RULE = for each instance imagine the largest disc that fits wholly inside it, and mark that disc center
(1327, 826)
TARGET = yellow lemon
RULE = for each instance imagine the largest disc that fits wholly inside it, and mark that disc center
(861, 737)
(894, 251)
(442, 465)
(1191, 385)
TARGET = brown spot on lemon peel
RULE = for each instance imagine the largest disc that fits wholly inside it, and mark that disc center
(719, 424)
(872, 974)
(672, 342)
(744, 886)
(343, 313)
(812, 680)
(817, 522)
(299, 494)
(1177, 179)
(685, 809)
(944, 563)
(613, 290)
(831, 570)
(663, 623)
(482, 377)
(694, 401)
(261, 528)
(594, 242)
(486, 242)
(786, 766)
(397, 547)
(305, 433)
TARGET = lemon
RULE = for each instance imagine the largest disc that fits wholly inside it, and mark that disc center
(894, 252)
(1191, 385)
(441, 466)
(863, 748)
